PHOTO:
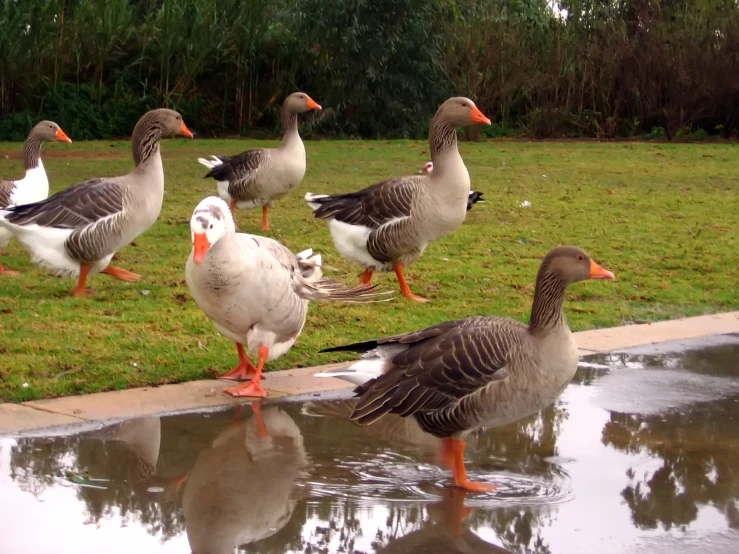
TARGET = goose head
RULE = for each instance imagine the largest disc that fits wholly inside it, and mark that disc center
(163, 123)
(460, 111)
(211, 221)
(428, 168)
(48, 131)
(300, 102)
(571, 264)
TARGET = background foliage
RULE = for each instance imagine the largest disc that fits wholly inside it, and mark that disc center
(603, 68)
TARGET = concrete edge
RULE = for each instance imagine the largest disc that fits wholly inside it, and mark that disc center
(208, 394)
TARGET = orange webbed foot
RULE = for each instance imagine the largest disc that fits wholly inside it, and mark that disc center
(252, 389)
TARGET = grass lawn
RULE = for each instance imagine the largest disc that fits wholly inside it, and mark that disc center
(663, 217)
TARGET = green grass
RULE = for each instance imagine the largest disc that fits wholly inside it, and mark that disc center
(664, 218)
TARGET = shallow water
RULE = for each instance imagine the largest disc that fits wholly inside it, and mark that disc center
(640, 454)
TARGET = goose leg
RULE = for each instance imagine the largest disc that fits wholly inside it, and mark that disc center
(404, 288)
(261, 427)
(447, 453)
(80, 290)
(232, 205)
(366, 278)
(245, 370)
(122, 274)
(254, 388)
(265, 218)
(460, 473)
(4, 271)
(454, 510)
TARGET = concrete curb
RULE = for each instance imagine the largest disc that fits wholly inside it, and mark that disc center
(194, 395)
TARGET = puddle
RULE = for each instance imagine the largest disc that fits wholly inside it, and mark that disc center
(639, 455)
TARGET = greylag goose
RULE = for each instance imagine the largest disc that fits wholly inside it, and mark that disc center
(260, 176)
(254, 289)
(243, 488)
(389, 224)
(142, 437)
(34, 185)
(75, 232)
(476, 372)
(473, 198)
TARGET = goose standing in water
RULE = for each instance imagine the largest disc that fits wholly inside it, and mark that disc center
(474, 196)
(34, 185)
(476, 372)
(260, 176)
(75, 232)
(388, 225)
(254, 289)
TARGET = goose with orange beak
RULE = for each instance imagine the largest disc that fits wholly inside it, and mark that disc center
(258, 177)
(75, 232)
(478, 372)
(387, 226)
(34, 185)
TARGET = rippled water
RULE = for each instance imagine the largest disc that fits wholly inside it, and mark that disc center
(640, 454)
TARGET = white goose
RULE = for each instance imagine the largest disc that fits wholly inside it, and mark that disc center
(254, 289)
(75, 232)
(34, 185)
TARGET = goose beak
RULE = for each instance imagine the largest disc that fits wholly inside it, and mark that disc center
(597, 272)
(312, 104)
(476, 116)
(184, 131)
(200, 247)
(61, 135)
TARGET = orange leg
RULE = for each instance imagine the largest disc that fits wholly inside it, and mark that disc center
(179, 481)
(447, 453)
(80, 290)
(122, 274)
(454, 510)
(265, 218)
(254, 388)
(261, 427)
(460, 473)
(366, 278)
(4, 271)
(232, 205)
(404, 289)
(245, 370)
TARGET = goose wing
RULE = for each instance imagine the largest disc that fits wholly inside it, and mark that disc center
(6, 193)
(239, 171)
(74, 207)
(436, 367)
(373, 206)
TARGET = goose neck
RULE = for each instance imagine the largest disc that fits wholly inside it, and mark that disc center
(547, 311)
(145, 140)
(442, 139)
(32, 152)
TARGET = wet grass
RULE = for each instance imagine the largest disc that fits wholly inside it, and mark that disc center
(664, 218)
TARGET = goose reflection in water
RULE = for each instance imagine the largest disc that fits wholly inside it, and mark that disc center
(243, 488)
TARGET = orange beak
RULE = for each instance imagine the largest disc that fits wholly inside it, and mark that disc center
(597, 272)
(61, 135)
(476, 116)
(200, 247)
(312, 104)
(184, 131)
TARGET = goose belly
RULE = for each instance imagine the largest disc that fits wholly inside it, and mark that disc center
(5, 236)
(351, 242)
(34, 187)
(46, 245)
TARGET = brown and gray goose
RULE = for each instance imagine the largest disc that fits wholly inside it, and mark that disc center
(477, 372)
(260, 176)
(75, 232)
(389, 224)
(34, 185)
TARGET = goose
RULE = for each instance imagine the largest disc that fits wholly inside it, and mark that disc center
(260, 176)
(75, 232)
(142, 437)
(243, 488)
(34, 185)
(389, 224)
(254, 289)
(462, 375)
(474, 196)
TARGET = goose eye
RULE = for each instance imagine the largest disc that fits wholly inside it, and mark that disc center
(211, 226)
(580, 257)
